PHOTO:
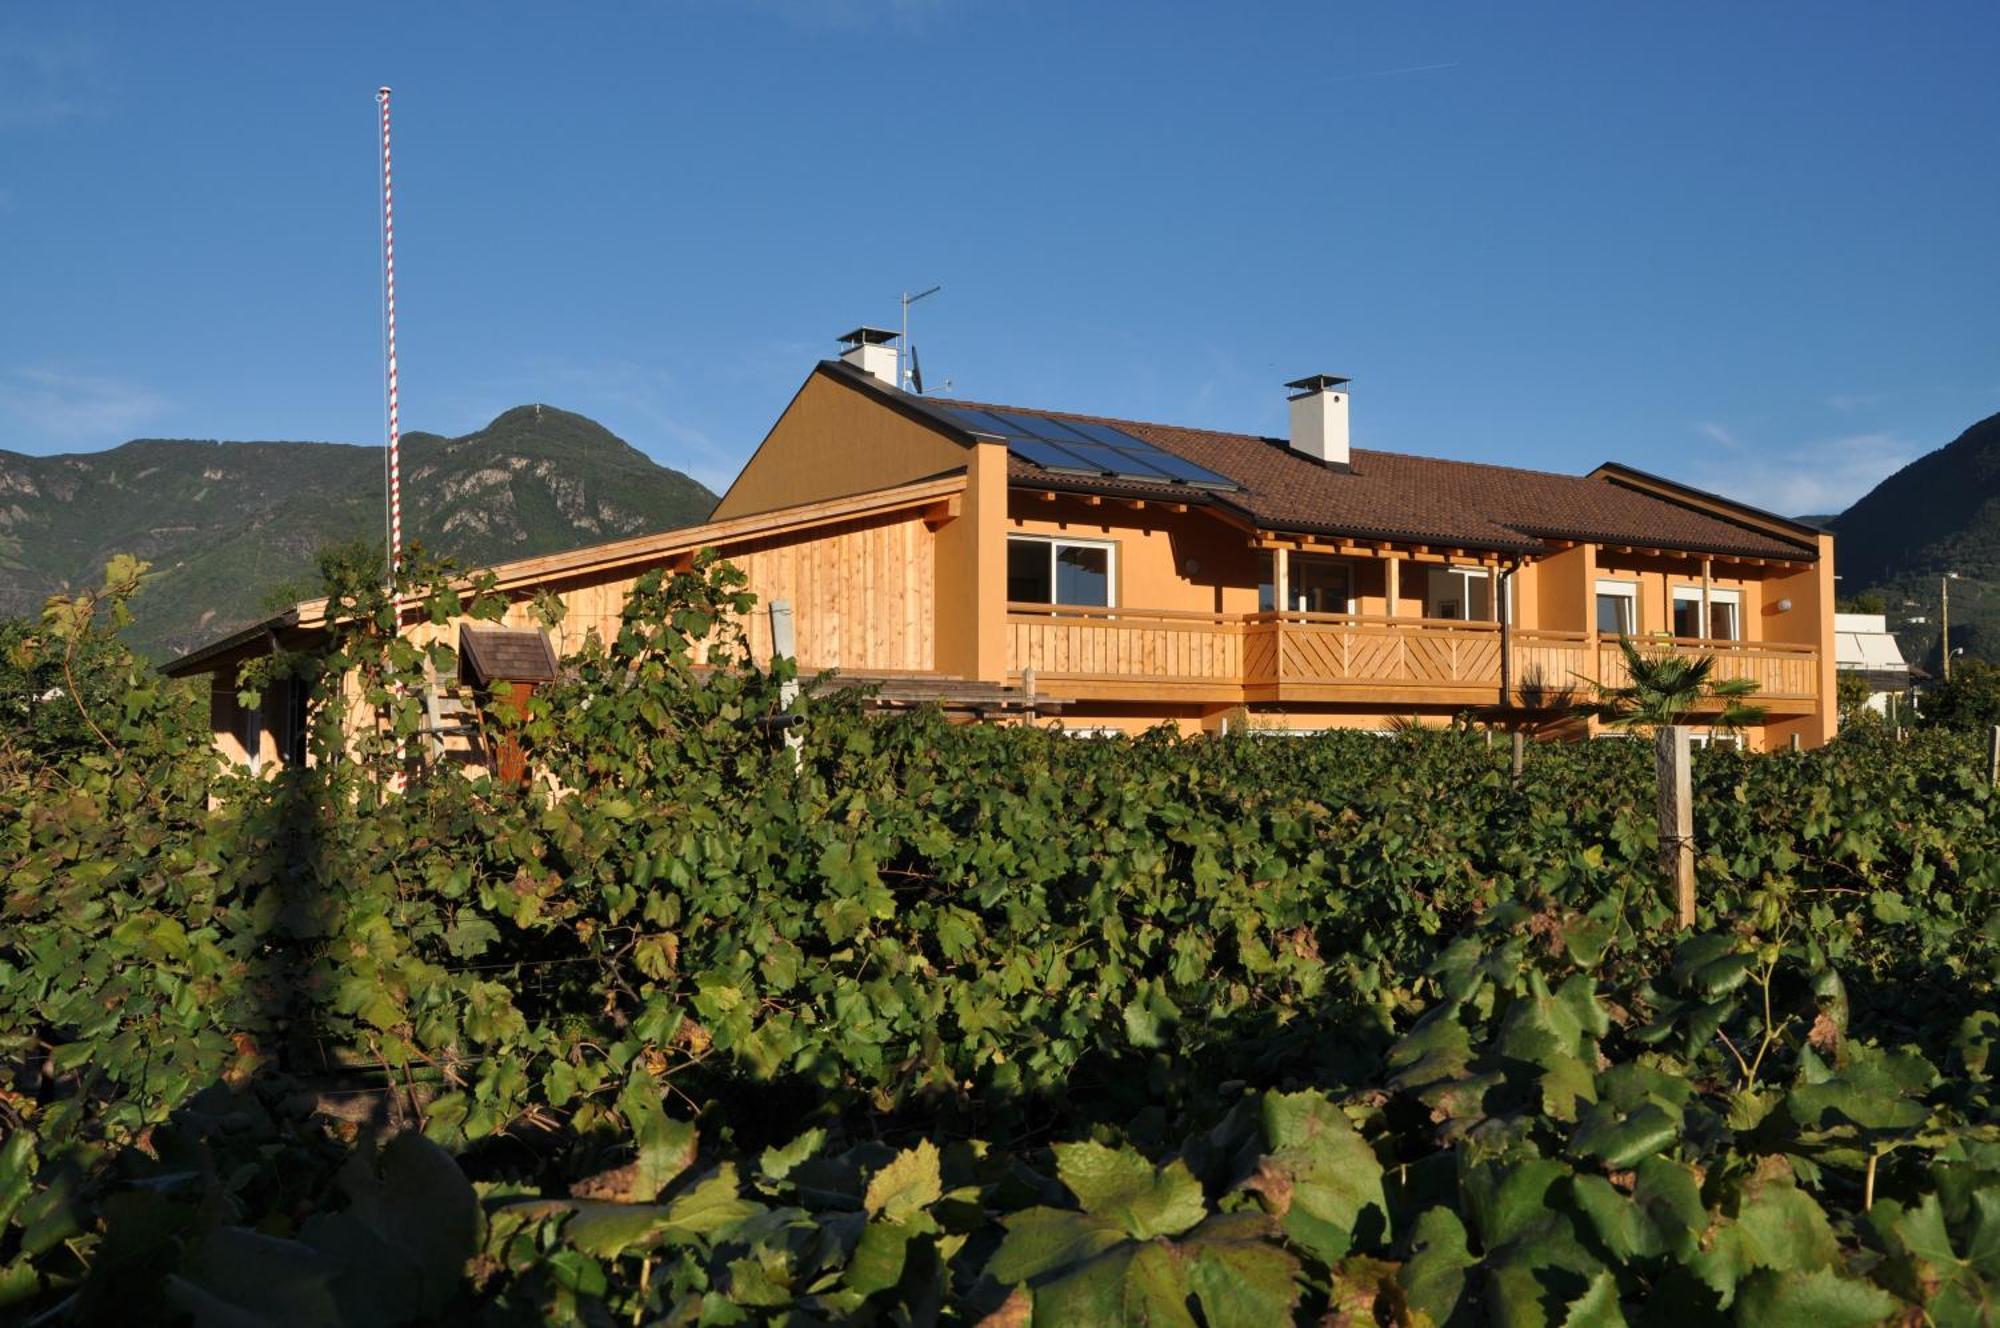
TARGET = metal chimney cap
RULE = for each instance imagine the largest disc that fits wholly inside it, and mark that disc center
(868, 336)
(1312, 383)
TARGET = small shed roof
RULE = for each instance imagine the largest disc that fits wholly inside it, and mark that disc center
(507, 654)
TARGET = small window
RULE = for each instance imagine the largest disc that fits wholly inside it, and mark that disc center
(1042, 571)
(1320, 585)
(1029, 580)
(1462, 594)
(253, 738)
(297, 731)
(1687, 614)
(1724, 620)
(1617, 608)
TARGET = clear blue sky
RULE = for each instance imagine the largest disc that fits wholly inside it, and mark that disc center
(1749, 246)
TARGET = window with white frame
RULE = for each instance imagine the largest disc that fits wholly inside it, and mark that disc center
(1461, 593)
(1725, 614)
(1060, 571)
(1618, 608)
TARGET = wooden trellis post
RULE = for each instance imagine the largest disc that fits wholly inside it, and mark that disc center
(1520, 753)
(1672, 760)
(1993, 758)
(785, 645)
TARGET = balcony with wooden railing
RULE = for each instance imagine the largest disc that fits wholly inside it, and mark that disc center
(1145, 654)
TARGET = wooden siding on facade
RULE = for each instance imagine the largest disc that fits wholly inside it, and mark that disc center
(861, 591)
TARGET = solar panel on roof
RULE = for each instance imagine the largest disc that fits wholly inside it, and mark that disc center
(983, 422)
(1057, 431)
(1104, 433)
(1186, 471)
(1117, 461)
(1174, 467)
(1088, 448)
(1031, 426)
(1049, 456)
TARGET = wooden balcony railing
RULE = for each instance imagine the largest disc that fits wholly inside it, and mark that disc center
(1781, 671)
(1161, 645)
(1325, 649)
(1295, 653)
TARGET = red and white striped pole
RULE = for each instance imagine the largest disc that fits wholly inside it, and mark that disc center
(389, 314)
(395, 459)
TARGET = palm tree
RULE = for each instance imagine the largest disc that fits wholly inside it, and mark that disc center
(1661, 689)
(1537, 707)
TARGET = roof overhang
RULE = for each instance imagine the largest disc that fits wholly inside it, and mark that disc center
(208, 658)
(1714, 504)
(938, 499)
(1217, 504)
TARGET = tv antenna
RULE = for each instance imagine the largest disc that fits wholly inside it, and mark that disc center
(911, 373)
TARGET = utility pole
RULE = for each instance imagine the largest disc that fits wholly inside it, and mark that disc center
(1944, 596)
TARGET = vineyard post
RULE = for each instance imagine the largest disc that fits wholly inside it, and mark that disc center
(1672, 760)
(1993, 758)
(784, 645)
(1520, 751)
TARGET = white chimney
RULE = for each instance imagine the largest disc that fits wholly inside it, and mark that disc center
(868, 349)
(1319, 418)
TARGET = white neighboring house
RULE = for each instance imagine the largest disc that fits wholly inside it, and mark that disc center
(1863, 644)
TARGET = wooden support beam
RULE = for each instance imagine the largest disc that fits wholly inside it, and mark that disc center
(784, 645)
(944, 511)
(1707, 574)
(1673, 765)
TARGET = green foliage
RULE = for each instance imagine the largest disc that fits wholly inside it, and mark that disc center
(69, 687)
(1851, 694)
(957, 1022)
(1966, 702)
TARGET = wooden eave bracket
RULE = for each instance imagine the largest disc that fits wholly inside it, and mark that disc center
(1379, 549)
(944, 511)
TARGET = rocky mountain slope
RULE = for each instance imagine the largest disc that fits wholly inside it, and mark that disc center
(227, 524)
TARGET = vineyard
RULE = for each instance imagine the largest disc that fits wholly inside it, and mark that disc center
(973, 1024)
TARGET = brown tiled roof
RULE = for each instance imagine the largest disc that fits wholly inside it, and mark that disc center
(1390, 495)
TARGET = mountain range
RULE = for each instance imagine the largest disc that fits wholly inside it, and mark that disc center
(228, 525)
(1936, 518)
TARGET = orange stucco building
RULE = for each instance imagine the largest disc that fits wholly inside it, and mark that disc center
(1138, 574)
